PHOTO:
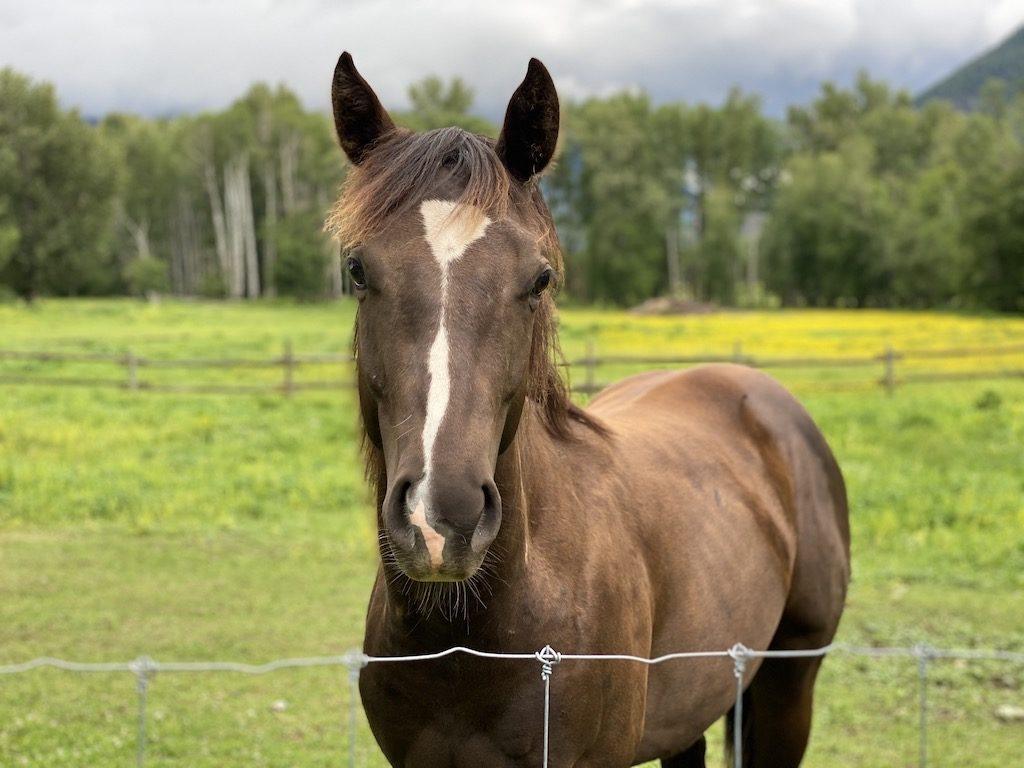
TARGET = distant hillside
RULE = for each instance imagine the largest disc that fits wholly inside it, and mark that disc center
(963, 87)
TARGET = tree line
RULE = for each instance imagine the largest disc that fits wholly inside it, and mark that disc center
(859, 199)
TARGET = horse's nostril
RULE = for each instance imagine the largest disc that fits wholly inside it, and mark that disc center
(490, 519)
(396, 514)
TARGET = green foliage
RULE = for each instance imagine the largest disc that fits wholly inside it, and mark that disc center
(9, 232)
(302, 256)
(828, 236)
(614, 194)
(57, 184)
(870, 201)
(719, 252)
(439, 105)
(885, 204)
(146, 276)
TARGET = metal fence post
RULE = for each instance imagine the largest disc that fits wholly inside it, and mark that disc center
(739, 653)
(924, 654)
(548, 657)
(355, 661)
(143, 668)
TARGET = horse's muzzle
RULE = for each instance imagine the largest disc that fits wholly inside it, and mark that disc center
(440, 532)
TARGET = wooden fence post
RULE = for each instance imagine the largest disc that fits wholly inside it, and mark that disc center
(288, 361)
(591, 366)
(131, 362)
(889, 378)
(737, 352)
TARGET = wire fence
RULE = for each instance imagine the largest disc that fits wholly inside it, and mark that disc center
(145, 668)
(888, 362)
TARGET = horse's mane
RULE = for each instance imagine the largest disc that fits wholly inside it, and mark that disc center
(402, 170)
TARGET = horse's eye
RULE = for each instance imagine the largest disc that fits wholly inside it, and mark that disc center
(355, 271)
(542, 282)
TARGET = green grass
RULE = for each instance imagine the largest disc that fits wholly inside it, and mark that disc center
(212, 527)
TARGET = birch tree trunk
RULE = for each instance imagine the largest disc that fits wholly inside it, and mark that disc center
(289, 169)
(266, 134)
(140, 236)
(185, 250)
(235, 276)
(335, 281)
(252, 259)
(220, 235)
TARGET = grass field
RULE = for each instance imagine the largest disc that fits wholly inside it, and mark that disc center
(213, 527)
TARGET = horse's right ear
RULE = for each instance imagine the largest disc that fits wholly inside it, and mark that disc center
(359, 118)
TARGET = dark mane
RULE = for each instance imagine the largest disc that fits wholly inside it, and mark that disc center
(401, 171)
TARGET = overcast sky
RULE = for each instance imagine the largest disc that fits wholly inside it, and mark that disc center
(185, 55)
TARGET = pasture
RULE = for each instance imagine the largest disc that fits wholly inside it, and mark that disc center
(206, 527)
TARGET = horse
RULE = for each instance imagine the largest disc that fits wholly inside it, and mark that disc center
(680, 510)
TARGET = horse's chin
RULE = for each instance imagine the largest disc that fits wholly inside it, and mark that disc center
(447, 573)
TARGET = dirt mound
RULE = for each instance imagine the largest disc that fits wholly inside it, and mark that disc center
(671, 305)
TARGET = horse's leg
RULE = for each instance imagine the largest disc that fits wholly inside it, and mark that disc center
(691, 758)
(781, 698)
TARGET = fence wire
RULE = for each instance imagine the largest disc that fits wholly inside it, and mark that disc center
(144, 668)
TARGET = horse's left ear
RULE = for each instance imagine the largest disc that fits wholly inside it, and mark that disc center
(359, 118)
(530, 132)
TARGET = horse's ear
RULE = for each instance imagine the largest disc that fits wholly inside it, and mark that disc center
(530, 132)
(359, 118)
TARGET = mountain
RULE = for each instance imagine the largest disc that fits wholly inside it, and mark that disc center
(963, 87)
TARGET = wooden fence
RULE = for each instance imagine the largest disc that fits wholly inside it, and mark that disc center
(886, 361)
(134, 367)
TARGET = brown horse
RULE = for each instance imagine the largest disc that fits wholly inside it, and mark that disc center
(680, 511)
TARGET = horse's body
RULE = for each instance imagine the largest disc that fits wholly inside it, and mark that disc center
(681, 512)
(716, 514)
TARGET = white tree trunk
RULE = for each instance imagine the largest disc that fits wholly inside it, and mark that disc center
(185, 248)
(220, 236)
(335, 279)
(252, 259)
(235, 215)
(289, 170)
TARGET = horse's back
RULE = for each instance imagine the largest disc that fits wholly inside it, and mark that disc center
(734, 417)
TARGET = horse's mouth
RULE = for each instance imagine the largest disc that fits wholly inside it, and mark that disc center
(421, 569)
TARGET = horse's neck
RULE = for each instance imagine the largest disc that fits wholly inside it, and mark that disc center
(531, 476)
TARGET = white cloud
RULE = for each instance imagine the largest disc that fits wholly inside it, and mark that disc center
(160, 57)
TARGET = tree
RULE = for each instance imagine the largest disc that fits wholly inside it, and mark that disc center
(149, 180)
(719, 251)
(831, 230)
(439, 105)
(993, 204)
(303, 255)
(618, 189)
(56, 195)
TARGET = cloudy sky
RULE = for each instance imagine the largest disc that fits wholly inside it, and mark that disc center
(165, 57)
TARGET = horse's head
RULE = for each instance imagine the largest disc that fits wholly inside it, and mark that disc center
(452, 254)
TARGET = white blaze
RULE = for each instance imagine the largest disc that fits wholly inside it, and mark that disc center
(449, 230)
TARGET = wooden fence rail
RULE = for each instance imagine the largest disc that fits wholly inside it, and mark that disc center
(289, 363)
